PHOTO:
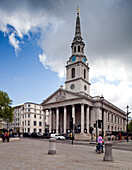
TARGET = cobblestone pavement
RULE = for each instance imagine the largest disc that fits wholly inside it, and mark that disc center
(33, 154)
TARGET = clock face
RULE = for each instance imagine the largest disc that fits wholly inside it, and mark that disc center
(85, 87)
(72, 86)
(73, 58)
(84, 59)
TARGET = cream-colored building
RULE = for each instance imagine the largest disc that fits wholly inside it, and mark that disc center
(75, 102)
(29, 117)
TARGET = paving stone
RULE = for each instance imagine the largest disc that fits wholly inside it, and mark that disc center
(33, 154)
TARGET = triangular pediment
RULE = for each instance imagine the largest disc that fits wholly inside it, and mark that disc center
(60, 95)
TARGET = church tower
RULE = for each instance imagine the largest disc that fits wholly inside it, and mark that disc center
(77, 70)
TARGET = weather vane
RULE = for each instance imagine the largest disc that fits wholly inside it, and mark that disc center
(78, 10)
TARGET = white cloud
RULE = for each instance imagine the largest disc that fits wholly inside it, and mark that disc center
(106, 29)
(13, 41)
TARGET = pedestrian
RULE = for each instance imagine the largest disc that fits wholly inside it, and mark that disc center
(3, 137)
(7, 136)
(109, 137)
(19, 133)
(100, 143)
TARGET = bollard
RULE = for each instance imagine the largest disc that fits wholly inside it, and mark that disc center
(52, 148)
(108, 152)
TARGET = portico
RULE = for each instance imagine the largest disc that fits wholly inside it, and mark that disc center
(61, 113)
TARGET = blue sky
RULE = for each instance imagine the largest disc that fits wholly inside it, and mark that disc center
(35, 43)
(23, 76)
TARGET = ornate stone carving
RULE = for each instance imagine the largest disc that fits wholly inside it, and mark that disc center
(60, 96)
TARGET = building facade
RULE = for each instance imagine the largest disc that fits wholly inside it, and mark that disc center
(29, 117)
(75, 103)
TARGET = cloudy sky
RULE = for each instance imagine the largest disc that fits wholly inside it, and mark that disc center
(35, 43)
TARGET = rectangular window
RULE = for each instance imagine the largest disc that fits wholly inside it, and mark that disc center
(34, 130)
(28, 122)
(25, 115)
(28, 130)
(112, 117)
(108, 116)
(28, 105)
(22, 123)
(35, 111)
(18, 119)
(115, 119)
(25, 122)
(18, 114)
(28, 110)
(28, 115)
(40, 111)
(40, 116)
(40, 130)
(18, 124)
(34, 116)
(34, 123)
(40, 123)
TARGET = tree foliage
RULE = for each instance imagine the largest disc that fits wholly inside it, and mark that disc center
(6, 111)
(130, 126)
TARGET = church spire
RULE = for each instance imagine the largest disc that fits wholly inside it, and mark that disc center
(78, 44)
(78, 28)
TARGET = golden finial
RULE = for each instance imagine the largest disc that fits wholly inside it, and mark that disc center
(78, 10)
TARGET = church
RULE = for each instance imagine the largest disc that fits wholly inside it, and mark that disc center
(74, 103)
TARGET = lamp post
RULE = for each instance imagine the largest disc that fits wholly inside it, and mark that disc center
(102, 98)
(127, 122)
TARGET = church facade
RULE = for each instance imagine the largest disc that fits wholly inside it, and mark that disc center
(74, 103)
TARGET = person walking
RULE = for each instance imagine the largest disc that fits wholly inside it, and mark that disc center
(7, 136)
(100, 143)
(3, 137)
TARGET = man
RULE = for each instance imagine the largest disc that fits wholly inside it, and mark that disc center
(3, 137)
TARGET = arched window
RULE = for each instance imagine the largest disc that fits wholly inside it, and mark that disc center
(78, 48)
(84, 74)
(74, 49)
(73, 72)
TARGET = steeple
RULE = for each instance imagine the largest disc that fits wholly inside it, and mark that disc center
(77, 44)
(77, 70)
(78, 28)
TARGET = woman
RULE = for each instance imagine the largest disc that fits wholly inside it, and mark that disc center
(100, 143)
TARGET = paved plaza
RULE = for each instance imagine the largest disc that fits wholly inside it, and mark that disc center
(33, 154)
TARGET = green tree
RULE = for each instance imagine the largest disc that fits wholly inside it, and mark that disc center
(6, 111)
(130, 126)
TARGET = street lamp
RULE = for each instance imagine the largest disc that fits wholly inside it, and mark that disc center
(102, 98)
(127, 122)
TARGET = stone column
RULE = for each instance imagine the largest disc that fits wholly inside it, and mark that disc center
(57, 120)
(50, 120)
(105, 122)
(82, 118)
(44, 120)
(108, 152)
(73, 114)
(122, 125)
(87, 119)
(65, 115)
(52, 146)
